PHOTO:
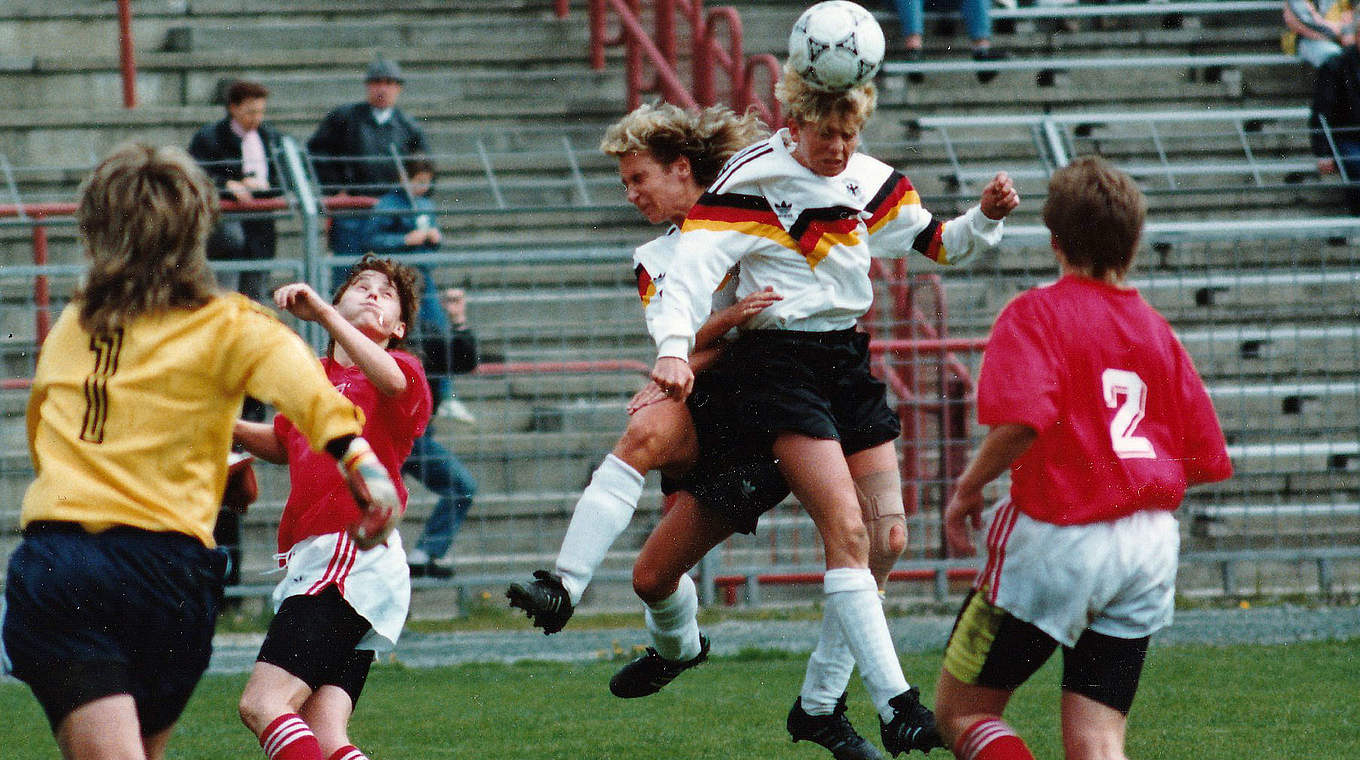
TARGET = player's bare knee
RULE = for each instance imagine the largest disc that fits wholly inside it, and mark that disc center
(252, 713)
(644, 444)
(1093, 745)
(652, 587)
(845, 537)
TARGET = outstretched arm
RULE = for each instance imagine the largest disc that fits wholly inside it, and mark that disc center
(1002, 446)
(259, 439)
(372, 359)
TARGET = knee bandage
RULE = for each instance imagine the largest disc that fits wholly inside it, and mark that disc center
(880, 504)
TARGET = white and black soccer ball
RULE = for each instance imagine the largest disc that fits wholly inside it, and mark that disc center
(836, 45)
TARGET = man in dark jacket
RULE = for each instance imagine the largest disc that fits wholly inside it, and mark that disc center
(353, 146)
(1336, 100)
(236, 153)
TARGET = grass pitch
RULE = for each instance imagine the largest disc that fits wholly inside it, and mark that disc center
(1195, 703)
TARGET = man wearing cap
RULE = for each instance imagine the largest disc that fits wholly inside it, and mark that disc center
(353, 146)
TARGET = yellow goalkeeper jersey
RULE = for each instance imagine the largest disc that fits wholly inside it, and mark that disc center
(134, 428)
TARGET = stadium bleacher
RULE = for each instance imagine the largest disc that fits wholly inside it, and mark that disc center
(514, 115)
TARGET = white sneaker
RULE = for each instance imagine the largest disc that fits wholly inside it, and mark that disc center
(452, 408)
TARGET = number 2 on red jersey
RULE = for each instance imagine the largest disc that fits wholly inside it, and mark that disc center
(1117, 383)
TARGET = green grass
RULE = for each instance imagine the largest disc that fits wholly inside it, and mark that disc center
(1195, 703)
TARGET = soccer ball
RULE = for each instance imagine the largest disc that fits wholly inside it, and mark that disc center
(836, 45)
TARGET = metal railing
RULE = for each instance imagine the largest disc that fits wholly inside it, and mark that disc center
(1170, 151)
(1261, 303)
(652, 59)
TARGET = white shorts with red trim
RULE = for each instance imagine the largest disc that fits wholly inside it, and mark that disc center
(376, 582)
(1117, 578)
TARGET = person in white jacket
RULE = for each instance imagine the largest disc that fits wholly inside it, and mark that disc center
(797, 213)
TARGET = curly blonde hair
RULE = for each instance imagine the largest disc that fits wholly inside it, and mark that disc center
(144, 213)
(707, 138)
(808, 105)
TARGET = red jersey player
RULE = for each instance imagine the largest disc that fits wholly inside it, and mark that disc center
(1100, 417)
(343, 597)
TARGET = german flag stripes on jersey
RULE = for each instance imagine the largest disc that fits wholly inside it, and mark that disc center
(807, 236)
(650, 261)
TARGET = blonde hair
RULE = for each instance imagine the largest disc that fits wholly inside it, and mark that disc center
(1096, 213)
(804, 103)
(665, 131)
(144, 213)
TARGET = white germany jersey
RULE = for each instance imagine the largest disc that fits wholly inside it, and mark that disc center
(805, 235)
(650, 261)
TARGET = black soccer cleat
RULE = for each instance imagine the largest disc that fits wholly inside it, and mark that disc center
(649, 673)
(544, 601)
(833, 732)
(912, 726)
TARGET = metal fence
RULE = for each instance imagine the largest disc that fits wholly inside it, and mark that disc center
(1268, 310)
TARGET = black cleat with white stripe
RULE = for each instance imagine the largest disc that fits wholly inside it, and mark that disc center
(912, 726)
(833, 732)
(651, 672)
(544, 601)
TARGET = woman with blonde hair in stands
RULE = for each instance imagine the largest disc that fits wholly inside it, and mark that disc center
(112, 596)
(798, 213)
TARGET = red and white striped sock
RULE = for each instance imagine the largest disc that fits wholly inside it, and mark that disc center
(290, 738)
(991, 739)
(348, 752)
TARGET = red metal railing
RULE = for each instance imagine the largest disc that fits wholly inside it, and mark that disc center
(39, 213)
(652, 62)
(127, 59)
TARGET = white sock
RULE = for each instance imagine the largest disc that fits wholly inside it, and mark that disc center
(674, 624)
(852, 598)
(601, 514)
(828, 670)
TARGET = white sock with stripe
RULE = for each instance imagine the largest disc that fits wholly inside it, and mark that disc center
(601, 514)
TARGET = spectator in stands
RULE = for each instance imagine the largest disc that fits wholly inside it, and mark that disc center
(976, 19)
(1336, 101)
(235, 152)
(449, 350)
(357, 148)
(404, 222)
(1317, 31)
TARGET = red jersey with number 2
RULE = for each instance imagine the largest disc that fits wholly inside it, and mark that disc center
(1124, 422)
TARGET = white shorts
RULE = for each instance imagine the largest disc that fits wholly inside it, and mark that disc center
(376, 583)
(1117, 578)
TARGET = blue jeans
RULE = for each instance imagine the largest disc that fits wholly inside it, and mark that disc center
(441, 472)
(976, 18)
(434, 321)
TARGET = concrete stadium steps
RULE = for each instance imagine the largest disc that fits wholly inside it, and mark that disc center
(1277, 85)
(1036, 263)
(319, 81)
(1280, 352)
(39, 26)
(1318, 409)
(1186, 299)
